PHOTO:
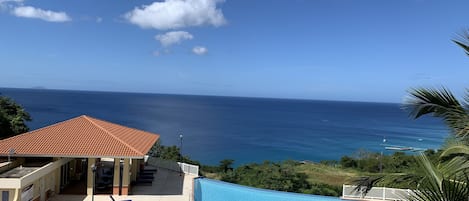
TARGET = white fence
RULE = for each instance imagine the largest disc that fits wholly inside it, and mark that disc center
(376, 193)
(189, 168)
(176, 166)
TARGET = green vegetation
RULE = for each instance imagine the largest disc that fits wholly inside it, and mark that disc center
(290, 176)
(171, 153)
(447, 177)
(324, 178)
(13, 118)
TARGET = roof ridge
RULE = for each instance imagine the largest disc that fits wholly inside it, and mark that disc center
(90, 119)
(42, 128)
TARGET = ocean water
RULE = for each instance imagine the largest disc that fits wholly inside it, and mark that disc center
(243, 129)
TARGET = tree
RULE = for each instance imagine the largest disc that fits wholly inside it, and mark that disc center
(348, 162)
(449, 180)
(13, 118)
(226, 164)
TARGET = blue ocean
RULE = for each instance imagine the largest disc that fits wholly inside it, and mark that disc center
(243, 129)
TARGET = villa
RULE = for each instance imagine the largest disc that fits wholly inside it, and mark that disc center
(67, 155)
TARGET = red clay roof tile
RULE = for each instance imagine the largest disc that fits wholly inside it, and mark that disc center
(82, 136)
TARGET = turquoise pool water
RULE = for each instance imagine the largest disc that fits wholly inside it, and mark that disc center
(213, 190)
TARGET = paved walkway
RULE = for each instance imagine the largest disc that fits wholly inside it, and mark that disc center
(167, 186)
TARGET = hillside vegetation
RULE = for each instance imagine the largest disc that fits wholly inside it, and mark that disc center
(324, 178)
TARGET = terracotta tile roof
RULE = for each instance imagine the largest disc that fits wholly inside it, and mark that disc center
(82, 136)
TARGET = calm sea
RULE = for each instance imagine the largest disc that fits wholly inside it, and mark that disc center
(243, 129)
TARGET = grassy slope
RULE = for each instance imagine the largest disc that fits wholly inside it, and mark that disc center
(319, 173)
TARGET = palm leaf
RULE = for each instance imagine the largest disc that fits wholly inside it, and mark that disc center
(433, 175)
(452, 185)
(458, 149)
(462, 40)
(439, 103)
(455, 168)
(365, 184)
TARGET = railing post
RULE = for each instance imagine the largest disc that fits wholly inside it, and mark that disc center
(384, 193)
(343, 190)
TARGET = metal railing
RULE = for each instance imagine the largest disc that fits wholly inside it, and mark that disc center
(376, 193)
(175, 166)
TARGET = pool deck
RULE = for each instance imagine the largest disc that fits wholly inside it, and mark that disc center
(167, 186)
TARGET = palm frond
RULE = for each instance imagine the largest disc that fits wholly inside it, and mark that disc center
(365, 184)
(458, 149)
(439, 103)
(452, 185)
(462, 40)
(433, 175)
(455, 168)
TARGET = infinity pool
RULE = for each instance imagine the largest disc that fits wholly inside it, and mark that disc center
(213, 190)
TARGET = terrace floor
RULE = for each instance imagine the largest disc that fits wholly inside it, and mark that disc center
(167, 186)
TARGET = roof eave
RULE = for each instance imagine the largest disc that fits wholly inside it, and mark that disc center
(71, 156)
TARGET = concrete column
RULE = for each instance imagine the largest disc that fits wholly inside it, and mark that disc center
(137, 161)
(17, 195)
(42, 189)
(116, 181)
(57, 180)
(133, 170)
(89, 178)
(126, 177)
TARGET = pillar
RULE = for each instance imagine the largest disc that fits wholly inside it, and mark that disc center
(133, 170)
(116, 180)
(42, 189)
(72, 169)
(126, 177)
(89, 178)
(17, 195)
(57, 180)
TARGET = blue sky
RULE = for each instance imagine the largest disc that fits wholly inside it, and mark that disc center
(332, 49)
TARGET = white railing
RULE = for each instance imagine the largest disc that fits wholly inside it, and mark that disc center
(376, 193)
(189, 168)
(175, 166)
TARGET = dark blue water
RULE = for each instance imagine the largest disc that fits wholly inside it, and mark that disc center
(243, 129)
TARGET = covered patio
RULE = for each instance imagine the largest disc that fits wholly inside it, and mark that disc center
(86, 142)
(169, 185)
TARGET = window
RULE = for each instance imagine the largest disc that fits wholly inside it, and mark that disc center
(5, 195)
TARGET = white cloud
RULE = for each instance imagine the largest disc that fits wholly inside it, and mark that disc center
(99, 19)
(174, 14)
(199, 50)
(173, 37)
(47, 15)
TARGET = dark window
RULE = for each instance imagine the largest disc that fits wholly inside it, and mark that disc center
(5, 195)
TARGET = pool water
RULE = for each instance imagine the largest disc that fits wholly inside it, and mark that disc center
(213, 190)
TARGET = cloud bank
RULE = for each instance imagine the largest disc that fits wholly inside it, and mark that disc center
(175, 14)
(47, 15)
(173, 37)
(199, 50)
